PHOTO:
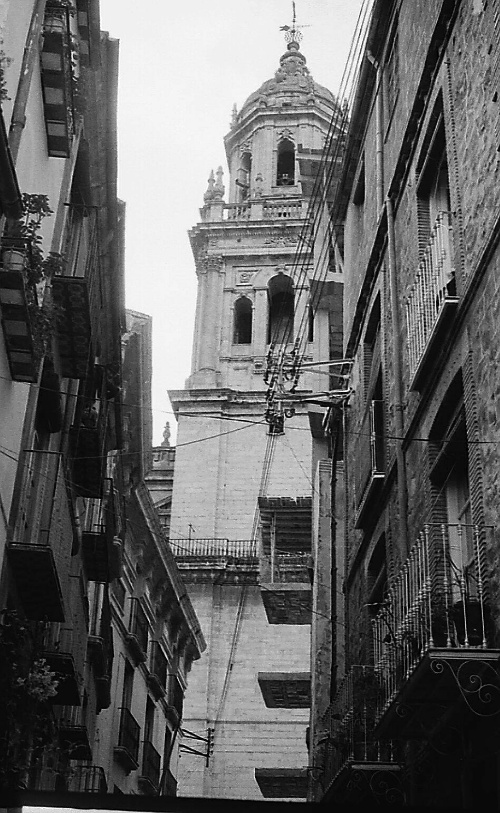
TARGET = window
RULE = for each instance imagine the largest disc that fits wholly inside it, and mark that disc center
(450, 478)
(433, 189)
(281, 309)
(244, 177)
(371, 346)
(242, 321)
(285, 175)
(128, 685)
(310, 323)
(149, 720)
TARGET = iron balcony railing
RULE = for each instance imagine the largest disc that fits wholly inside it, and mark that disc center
(138, 628)
(175, 694)
(437, 600)
(350, 721)
(159, 665)
(87, 779)
(151, 764)
(213, 548)
(370, 448)
(79, 778)
(129, 734)
(434, 284)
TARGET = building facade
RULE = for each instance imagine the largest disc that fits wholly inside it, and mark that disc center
(155, 632)
(97, 634)
(60, 377)
(242, 506)
(415, 718)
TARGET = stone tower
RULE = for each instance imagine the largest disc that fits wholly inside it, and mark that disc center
(241, 502)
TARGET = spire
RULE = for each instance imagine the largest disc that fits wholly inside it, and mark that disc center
(209, 194)
(219, 189)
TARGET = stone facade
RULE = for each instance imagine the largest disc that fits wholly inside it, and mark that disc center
(421, 299)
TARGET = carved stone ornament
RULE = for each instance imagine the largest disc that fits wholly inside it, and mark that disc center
(245, 277)
(280, 240)
(245, 147)
(285, 133)
(209, 262)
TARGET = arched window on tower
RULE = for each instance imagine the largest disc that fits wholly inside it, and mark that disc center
(242, 321)
(244, 176)
(281, 309)
(285, 175)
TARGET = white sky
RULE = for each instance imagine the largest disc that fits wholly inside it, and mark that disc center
(182, 66)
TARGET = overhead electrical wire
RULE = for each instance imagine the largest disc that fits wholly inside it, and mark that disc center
(329, 160)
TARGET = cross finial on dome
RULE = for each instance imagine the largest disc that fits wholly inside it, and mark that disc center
(292, 34)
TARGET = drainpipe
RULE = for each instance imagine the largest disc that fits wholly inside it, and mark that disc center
(30, 59)
(398, 382)
(379, 139)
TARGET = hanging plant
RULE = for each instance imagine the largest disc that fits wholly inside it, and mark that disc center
(27, 686)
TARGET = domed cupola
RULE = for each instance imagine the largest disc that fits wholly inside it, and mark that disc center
(288, 113)
(292, 84)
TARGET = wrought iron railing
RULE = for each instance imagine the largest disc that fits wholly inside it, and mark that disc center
(138, 626)
(203, 548)
(175, 694)
(370, 448)
(151, 764)
(159, 664)
(129, 734)
(350, 721)
(87, 779)
(433, 285)
(438, 599)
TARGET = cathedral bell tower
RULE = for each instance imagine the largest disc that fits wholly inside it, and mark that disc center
(235, 472)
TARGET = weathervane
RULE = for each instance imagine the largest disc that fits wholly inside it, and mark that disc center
(292, 33)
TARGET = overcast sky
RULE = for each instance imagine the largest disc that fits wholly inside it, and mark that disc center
(182, 67)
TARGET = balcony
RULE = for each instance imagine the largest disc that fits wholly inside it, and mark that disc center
(358, 768)
(282, 783)
(264, 209)
(73, 733)
(370, 473)
(127, 750)
(17, 299)
(234, 560)
(77, 779)
(100, 646)
(175, 699)
(157, 678)
(241, 550)
(168, 783)
(432, 647)
(285, 559)
(88, 443)
(57, 77)
(286, 690)
(70, 296)
(58, 651)
(137, 636)
(431, 302)
(39, 554)
(286, 588)
(149, 779)
(99, 542)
